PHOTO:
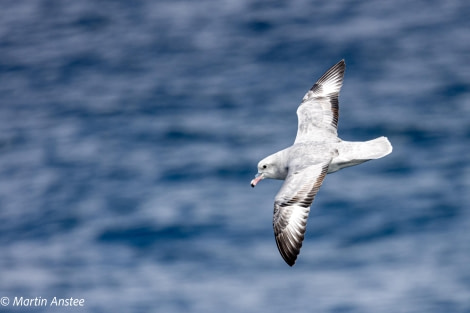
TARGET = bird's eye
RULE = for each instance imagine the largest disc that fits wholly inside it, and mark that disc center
(264, 166)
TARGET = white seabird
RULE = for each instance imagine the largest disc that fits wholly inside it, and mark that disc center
(317, 151)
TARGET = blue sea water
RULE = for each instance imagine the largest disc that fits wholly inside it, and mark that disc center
(130, 131)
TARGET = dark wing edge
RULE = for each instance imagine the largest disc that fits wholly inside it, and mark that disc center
(291, 213)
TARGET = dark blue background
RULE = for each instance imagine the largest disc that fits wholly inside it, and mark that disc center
(130, 131)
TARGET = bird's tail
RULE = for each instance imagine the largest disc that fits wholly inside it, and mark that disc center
(354, 152)
(375, 149)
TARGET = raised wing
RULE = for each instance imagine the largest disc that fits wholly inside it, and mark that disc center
(292, 206)
(318, 112)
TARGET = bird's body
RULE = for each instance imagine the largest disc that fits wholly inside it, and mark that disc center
(317, 151)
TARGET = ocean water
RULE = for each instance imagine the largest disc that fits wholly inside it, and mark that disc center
(130, 131)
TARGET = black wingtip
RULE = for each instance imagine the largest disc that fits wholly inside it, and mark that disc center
(289, 255)
(340, 65)
(290, 260)
(335, 73)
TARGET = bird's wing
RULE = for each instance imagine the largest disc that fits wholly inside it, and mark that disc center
(292, 206)
(318, 112)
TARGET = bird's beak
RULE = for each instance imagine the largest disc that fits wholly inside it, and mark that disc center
(257, 178)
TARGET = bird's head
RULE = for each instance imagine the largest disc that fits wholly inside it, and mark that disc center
(268, 168)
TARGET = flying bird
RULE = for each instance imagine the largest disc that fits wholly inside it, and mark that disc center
(317, 151)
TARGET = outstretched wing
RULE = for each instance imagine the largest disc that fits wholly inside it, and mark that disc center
(318, 112)
(292, 206)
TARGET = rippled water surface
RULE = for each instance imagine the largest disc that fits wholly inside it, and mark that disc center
(130, 131)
